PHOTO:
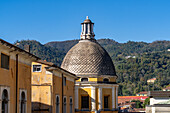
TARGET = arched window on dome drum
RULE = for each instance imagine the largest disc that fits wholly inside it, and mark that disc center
(23, 103)
(84, 79)
(4, 101)
(105, 80)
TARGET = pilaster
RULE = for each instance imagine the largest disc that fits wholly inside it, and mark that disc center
(93, 98)
(113, 98)
(76, 97)
(100, 98)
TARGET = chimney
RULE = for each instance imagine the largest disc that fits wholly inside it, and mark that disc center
(27, 48)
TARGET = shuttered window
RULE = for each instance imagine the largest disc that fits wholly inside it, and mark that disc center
(57, 104)
(106, 102)
(71, 105)
(36, 68)
(85, 102)
(64, 81)
(4, 61)
(64, 105)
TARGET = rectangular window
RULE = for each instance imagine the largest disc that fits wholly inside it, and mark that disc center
(4, 61)
(85, 102)
(57, 104)
(36, 68)
(64, 81)
(64, 104)
(106, 102)
(71, 104)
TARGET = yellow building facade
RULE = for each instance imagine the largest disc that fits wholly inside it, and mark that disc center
(101, 95)
(96, 89)
(15, 79)
(52, 88)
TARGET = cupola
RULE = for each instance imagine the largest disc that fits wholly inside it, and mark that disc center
(87, 29)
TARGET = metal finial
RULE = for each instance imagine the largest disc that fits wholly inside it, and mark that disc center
(87, 17)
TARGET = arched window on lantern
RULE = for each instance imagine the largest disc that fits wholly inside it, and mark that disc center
(105, 80)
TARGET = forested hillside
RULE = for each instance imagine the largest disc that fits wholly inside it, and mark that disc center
(135, 62)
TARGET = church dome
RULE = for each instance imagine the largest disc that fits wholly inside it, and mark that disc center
(88, 58)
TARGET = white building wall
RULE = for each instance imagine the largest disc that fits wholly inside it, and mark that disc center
(157, 100)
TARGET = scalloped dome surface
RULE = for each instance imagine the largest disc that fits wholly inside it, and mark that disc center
(88, 58)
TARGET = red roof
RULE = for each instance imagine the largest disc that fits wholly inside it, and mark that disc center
(123, 99)
(152, 79)
(132, 97)
(144, 92)
(167, 88)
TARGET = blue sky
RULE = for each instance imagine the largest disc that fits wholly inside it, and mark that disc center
(59, 20)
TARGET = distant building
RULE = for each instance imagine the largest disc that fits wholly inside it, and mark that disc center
(152, 80)
(127, 57)
(52, 88)
(144, 93)
(125, 99)
(138, 110)
(166, 89)
(125, 104)
(15, 79)
(159, 102)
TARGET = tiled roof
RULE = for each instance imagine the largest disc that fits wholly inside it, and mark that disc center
(152, 79)
(122, 99)
(159, 94)
(167, 88)
(144, 92)
(15, 48)
(88, 58)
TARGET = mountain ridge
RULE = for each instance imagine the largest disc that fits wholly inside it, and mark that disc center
(135, 62)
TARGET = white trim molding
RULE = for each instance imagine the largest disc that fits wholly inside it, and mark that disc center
(20, 99)
(2, 88)
(76, 97)
(93, 98)
(100, 98)
(58, 103)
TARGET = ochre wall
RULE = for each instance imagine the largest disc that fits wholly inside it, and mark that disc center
(41, 88)
(8, 78)
(68, 92)
(24, 82)
(45, 87)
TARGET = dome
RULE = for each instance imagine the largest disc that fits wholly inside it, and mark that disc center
(87, 21)
(88, 58)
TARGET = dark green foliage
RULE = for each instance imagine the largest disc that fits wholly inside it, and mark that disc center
(44, 52)
(151, 60)
(138, 103)
(146, 102)
(133, 73)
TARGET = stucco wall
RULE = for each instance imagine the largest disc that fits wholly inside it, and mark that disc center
(8, 79)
